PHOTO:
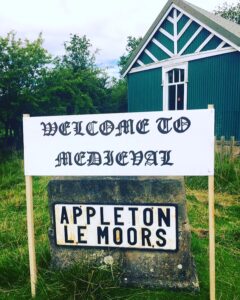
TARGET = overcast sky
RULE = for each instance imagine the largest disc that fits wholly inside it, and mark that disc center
(107, 23)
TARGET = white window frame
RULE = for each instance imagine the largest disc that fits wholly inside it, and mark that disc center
(165, 84)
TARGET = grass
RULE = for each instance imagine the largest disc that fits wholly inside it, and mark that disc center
(89, 282)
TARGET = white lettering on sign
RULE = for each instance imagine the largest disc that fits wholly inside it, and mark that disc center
(117, 226)
(167, 143)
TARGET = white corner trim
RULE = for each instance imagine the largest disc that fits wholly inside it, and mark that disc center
(151, 55)
(183, 59)
(204, 43)
(185, 27)
(190, 40)
(157, 43)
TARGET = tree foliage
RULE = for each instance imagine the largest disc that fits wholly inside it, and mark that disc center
(33, 82)
(132, 43)
(229, 11)
(22, 67)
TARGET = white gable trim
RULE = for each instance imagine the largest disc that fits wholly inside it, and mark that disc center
(190, 40)
(185, 27)
(163, 31)
(183, 59)
(148, 40)
(151, 55)
(157, 43)
(172, 20)
(204, 43)
(207, 27)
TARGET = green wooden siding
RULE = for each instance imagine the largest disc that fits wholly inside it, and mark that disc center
(212, 44)
(181, 23)
(145, 91)
(165, 41)
(168, 26)
(145, 59)
(187, 35)
(157, 52)
(212, 80)
(216, 80)
(201, 37)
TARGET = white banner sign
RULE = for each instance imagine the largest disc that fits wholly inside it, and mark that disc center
(169, 143)
(119, 226)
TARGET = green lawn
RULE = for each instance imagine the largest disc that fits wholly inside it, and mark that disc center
(89, 282)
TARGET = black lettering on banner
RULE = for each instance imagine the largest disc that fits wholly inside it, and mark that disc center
(102, 234)
(109, 158)
(125, 126)
(159, 234)
(64, 158)
(77, 212)
(165, 158)
(117, 216)
(66, 235)
(148, 216)
(120, 158)
(78, 158)
(133, 210)
(91, 212)
(181, 125)
(164, 217)
(151, 158)
(63, 128)
(77, 128)
(49, 129)
(137, 157)
(117, 236)
(146, 234)
(103, 222)
(64, 215)
(80, 234)
(106, 127)
(132, 236)
(163, 125)
(90, 128)
(94, 159)
(141, 126)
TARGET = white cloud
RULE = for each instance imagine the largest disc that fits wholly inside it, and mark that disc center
(107, 23)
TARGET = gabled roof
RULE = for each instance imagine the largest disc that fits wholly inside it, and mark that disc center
(228, 30)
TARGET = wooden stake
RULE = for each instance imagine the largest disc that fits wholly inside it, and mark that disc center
(30, 229)
(212, 275)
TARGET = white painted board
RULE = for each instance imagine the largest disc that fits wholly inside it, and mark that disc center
(116, 226)
(166, 143)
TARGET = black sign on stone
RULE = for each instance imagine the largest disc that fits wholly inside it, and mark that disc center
(139, 268)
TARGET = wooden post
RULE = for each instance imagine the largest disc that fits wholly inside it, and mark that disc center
(232, 142)
(30, 229)
(222, 146)
(212, 275)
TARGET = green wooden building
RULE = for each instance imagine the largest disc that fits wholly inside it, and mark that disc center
(189, 58)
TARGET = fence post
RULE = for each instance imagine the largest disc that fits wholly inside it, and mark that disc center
(232, 142)
(222, 146)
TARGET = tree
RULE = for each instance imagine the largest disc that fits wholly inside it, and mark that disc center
(229, 11)
(132, 44)
(78, 55)
(22, 66)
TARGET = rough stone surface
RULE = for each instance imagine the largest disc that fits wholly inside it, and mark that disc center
(139, 268)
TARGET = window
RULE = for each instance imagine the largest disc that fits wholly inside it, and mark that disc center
(175, 87)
